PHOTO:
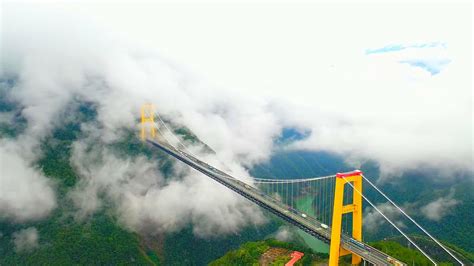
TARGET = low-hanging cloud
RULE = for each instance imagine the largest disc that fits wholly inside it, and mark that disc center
(284, 234)
(400, 116)
(373, 220)
(366, 108)
(25, 193)
(26, 240)
(439, 208)
(118, 80)
(147, 203)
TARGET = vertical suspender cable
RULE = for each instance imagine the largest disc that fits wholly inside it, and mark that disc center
(326, 189)
(319, 201)
(323, 195)
(333, 194)
(297, 192)
(291, 196)
(322, 201)
(326, 207)
(328, 200)
(321, 213)
(313, 197)
(279, 191)
(271, 190)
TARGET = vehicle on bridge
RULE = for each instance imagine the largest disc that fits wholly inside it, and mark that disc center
(293, 210)
(355, 242)
(394, 261)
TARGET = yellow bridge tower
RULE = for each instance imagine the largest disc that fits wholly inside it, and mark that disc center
(148, 116)
(339, 209)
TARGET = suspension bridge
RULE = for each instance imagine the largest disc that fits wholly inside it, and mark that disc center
(319, 206)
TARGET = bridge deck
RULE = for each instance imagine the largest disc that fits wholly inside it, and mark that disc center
(308, 224)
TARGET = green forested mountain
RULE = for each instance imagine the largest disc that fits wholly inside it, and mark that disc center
(411, 190)
(251, 254)
(101, 240)
(63, 240)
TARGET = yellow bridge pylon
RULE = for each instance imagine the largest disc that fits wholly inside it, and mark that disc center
(339, 209)
(148, 116)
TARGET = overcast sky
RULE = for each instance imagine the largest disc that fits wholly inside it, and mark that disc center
(317, 55)
(281, 49)
(399, 74)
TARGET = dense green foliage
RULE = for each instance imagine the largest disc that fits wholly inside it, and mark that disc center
(66, 242)
(400, 252)
(398, 248)
(250, 253)
(100, 240)
(62, 239)
(184, 248)
(419, 188)
(247, 254)
(414, 188)
(461, 253)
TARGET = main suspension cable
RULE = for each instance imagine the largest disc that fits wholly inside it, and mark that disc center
(174, 136)
(265, 180)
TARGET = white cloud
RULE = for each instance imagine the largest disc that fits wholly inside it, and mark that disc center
(120, 80)
(401, 116)
(439, 208)
(373, 220)
(308, 71)
(25, 193)
(146, 203)
(364, 106)
(26, 240)
(284, 234)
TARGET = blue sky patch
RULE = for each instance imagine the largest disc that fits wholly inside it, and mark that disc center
(289, 135)
(399, 47)
(432, 66)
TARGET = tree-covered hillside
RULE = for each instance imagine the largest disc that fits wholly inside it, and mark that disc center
(100, 239)
(62, 239)
(250, 253)
(412, 190)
